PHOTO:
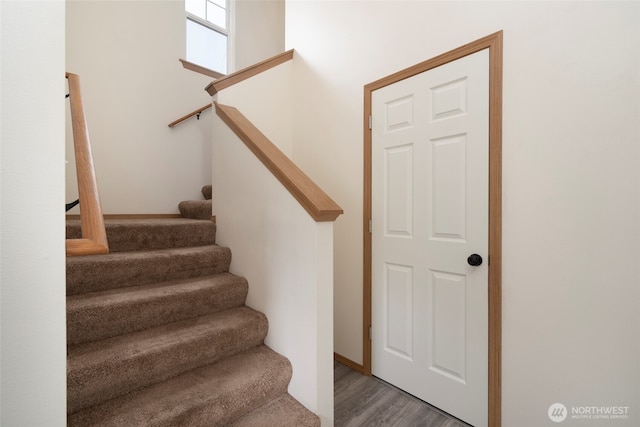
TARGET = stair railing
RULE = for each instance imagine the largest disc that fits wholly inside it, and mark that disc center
(202, 70)
(191, 114)
(253, 70)
(94, 235)
(223, 81)
(311, 197)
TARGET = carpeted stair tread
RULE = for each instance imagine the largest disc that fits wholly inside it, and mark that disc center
(207, 191)
(151, 234)
(284, 411)
(196, 209)
(94, 273)
(102, 370)
(213, 395)
(98, 315)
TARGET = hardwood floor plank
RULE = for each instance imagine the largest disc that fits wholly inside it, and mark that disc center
(368, 401)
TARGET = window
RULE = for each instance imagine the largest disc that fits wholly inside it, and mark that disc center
(207, 33)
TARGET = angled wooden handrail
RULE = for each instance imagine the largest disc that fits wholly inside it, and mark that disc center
(191, 114)
(94, 235)
(200, 69)
(315, 201)
(240, 75)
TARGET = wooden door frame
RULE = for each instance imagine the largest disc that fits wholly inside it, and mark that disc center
(493, 42)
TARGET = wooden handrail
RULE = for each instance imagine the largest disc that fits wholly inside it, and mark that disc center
(200, 69)
(315, 201)
(94, 235)
(257, 68)
(191, 114)
(224, 81)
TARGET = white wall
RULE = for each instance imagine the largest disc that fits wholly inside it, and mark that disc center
(259, 30)
(126, 53)
(571, 190)
(32, 251)
(287, 258)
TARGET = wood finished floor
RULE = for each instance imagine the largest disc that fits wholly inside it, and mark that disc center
(368, 401)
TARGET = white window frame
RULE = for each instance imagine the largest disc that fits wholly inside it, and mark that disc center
(229, 33)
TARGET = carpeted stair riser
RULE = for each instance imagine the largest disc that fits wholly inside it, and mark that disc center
(102, 272)
(150, 234)
(196, 209)
(284, 411)
(98, 315)
(106, 369)
(213, 395)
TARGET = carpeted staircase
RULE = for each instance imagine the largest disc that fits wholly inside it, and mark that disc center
(158, 335)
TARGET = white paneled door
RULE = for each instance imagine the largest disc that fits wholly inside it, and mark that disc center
(430, 150)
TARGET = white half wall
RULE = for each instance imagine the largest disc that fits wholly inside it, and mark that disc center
(32, 241)
(287, 258)
(571, 177)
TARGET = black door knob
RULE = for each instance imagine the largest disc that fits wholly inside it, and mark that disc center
(474, 260)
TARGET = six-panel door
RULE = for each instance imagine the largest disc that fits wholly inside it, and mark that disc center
(429, 214)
